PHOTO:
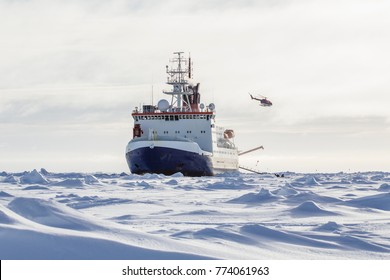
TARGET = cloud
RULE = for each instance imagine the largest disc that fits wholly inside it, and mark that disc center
(72, 65)
(345, 125)
(76, 105)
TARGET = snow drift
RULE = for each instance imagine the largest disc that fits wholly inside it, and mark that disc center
(46, 215)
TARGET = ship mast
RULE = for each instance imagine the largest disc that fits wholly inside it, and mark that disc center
(178, 76)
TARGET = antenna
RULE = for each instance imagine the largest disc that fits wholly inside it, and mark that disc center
(189, 66)
(178, 75)
(152, 95)
(152, 91)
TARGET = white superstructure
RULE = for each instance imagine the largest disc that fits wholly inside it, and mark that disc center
(180, 135)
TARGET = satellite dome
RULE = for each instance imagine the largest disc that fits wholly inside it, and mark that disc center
(212, 106)
(163, 105)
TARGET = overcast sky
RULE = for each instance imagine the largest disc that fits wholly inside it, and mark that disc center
(72, 71)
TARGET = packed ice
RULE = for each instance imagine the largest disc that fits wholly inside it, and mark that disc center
(48, 215)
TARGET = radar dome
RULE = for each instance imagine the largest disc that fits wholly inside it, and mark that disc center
(201, 106)
(212, 106)
(163, 105)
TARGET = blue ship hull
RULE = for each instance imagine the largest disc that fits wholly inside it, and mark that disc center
(162, 160)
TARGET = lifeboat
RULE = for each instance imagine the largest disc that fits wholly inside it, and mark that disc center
(228, 134)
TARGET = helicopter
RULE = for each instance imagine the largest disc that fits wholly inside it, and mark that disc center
(263, 100)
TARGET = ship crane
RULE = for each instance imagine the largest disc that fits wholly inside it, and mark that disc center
(251, 150)
(249, 168)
